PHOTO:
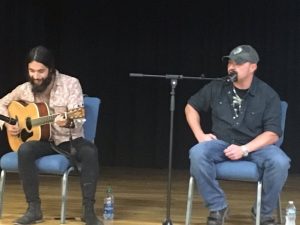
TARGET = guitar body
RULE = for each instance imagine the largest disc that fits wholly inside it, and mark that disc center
(25, 113)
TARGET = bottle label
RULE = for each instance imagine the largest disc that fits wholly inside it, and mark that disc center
(290, 212)
(108, 208)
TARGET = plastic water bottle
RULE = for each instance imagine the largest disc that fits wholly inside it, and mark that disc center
(108, 207)
(290, 217)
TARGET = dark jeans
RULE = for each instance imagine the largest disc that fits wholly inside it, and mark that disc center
(86, 154)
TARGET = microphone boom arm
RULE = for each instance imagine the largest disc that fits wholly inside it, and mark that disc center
(173, 76)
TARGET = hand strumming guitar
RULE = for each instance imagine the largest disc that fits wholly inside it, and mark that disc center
(13, 130)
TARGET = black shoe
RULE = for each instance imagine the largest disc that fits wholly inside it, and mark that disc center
(217, 217)
(89, 216)
(33, 215)
(92, 220)
(268, 222)
(264, 220)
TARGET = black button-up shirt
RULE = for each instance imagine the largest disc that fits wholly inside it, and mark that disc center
(259, 112)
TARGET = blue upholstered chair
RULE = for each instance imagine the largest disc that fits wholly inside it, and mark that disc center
(54, 164)
(240, 171)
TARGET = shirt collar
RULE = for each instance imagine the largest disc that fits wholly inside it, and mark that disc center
(252, 90)
(253, 87)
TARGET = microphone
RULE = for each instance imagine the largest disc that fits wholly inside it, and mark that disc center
(8, 120)
(231, 77)
(136, 75)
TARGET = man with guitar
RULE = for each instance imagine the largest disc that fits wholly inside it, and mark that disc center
(51, 101)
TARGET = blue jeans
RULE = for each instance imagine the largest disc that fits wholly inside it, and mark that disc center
(271, 160)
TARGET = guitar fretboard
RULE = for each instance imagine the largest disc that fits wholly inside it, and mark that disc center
(43, 120)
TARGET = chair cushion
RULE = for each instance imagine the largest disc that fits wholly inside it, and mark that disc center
(238, 170)
(9, 162)
(53, 164)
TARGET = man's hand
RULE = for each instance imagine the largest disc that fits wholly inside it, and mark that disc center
(60, 120)
(12, 130)
(234, 152)
(207, 137)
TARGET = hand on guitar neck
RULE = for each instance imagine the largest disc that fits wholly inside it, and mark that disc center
(62, 120)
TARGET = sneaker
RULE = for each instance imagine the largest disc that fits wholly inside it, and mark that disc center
(217, 217)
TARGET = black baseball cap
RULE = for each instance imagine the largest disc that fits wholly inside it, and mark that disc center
(242, 54)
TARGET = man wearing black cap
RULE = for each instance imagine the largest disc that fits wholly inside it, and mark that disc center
(245, 125)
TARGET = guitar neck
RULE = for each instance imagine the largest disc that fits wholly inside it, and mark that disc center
(74, 114)
(43, 120)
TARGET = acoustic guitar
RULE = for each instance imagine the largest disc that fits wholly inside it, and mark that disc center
(34, 120)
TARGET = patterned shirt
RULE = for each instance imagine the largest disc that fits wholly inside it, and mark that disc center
(66, 94)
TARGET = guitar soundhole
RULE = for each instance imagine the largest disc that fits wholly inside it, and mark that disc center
(28, 123)
(24, 135)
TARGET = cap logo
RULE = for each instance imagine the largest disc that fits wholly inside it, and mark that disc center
(237, 50)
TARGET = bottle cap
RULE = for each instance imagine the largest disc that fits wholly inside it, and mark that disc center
(291, 202)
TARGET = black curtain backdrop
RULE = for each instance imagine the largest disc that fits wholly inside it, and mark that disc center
(101, 42)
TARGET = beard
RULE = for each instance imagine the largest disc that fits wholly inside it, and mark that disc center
(41, 87)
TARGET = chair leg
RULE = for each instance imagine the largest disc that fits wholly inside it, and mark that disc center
(64, 193)
(258, 202)
(189, 205)
(2, 184)
(258, 206)
(279, 212)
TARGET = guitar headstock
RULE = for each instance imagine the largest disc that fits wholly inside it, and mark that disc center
(76, 113)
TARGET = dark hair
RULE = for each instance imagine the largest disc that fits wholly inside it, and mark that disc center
(42, 55)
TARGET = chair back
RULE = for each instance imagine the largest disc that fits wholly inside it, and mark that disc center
(283, 106)
(91, 107)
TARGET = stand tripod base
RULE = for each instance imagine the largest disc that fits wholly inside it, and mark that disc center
(167, 222)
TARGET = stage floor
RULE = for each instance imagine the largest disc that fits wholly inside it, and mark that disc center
(140, 198)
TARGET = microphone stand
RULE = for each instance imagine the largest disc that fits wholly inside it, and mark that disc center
(173, 81)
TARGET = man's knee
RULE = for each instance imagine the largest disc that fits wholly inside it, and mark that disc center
(280, 162)
(201, 153)
(197, 152)
(277, 159)
(89, 151)
(26, 149)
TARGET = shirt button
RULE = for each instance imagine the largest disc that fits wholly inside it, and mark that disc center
(237, 123)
